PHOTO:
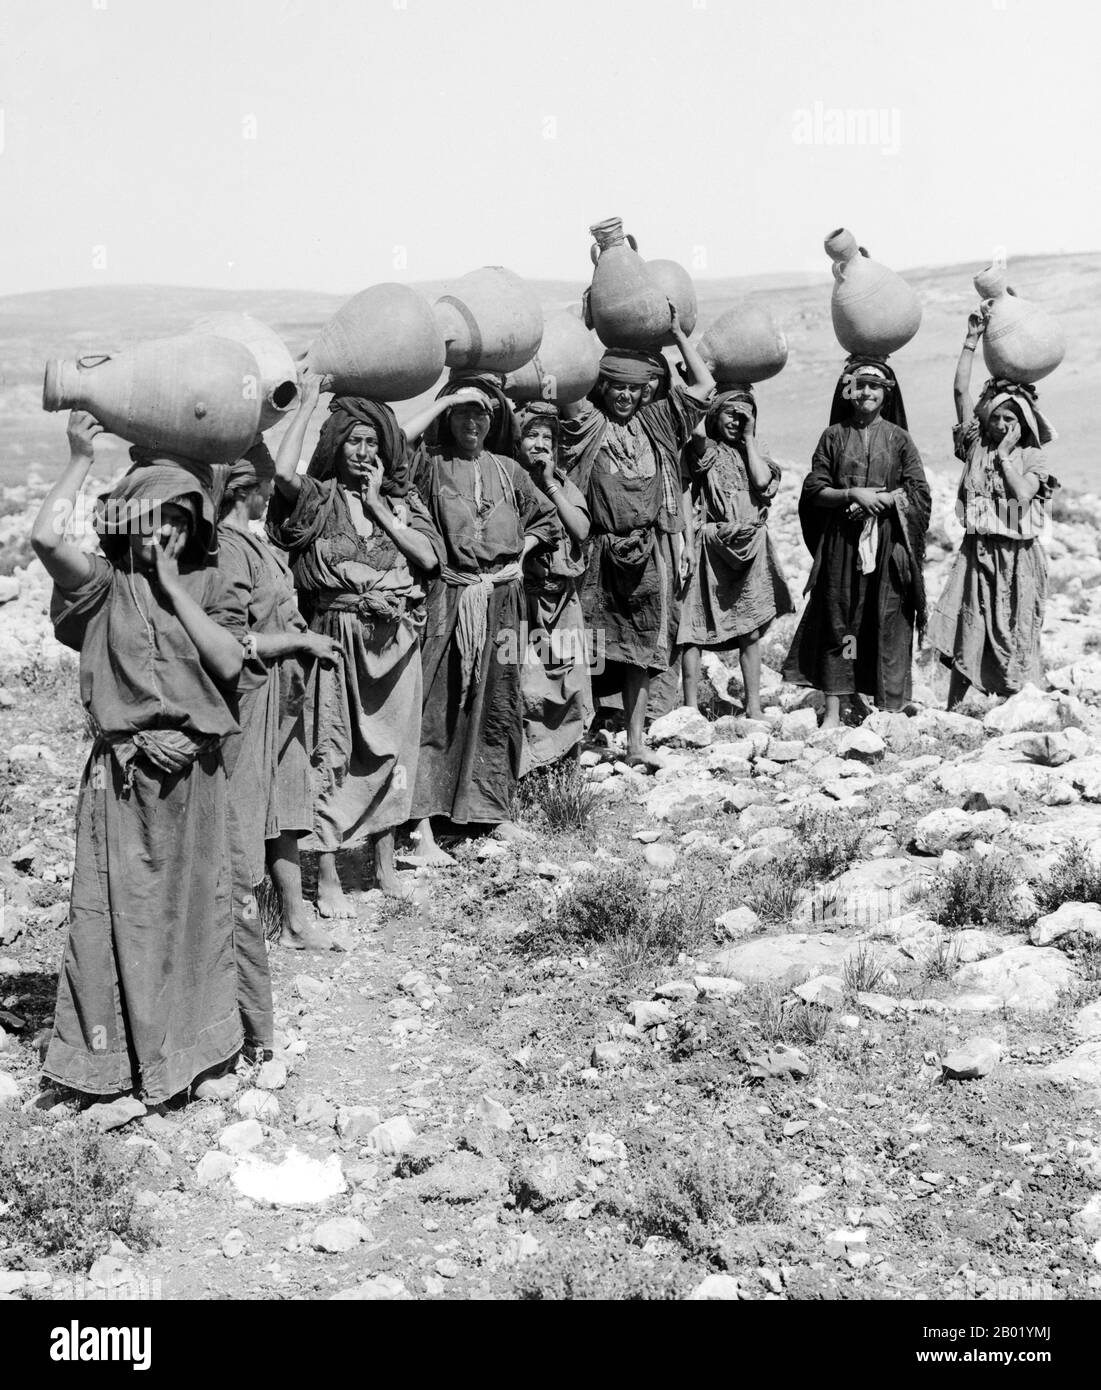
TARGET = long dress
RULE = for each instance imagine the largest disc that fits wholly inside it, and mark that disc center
(267, 764)
(738, 584)
(147, 996)
(988, 621)
(472, 730)
(632, 476)
(555, 681)
(363, 717)
(857, 630)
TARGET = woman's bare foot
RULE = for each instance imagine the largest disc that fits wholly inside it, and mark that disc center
(428, 852)
(509, 830)
(306, 937)
(832, 716)
(332, 903)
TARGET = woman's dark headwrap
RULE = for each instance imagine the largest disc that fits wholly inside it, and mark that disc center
(345, 413)
(504, 433)
(723, 395)
(254, 467)
(1036, 430)
(626, 367)
(132, 506)
(893, 409)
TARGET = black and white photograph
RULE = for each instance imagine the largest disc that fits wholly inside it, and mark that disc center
(550, 664)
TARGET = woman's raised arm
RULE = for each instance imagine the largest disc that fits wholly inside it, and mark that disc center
(66, 564)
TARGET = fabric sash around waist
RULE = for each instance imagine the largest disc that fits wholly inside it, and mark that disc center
(472, 622)
(167, 750)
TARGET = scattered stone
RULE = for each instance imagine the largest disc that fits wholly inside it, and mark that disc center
(212, 1168)
(1087, 1222)
(737, 922)
(660, 856)
(715, 1288)
(1028, 978)
(606, 1056)
(826, 990)
(258, 1105)
(393, 1137)
(1029, 709)
(355, 1122)
(882, 1005)
(976, 1058)
(382, 1288)
(310, 989)
(9, 1091)
(678, 990)
(717, 986)
(861, 745)
(239, 1138)
(494, 1114)
(113, 1114)
(684, 727)
(780, 1061)
(603, 1148)
(784, 959)
(312, 1109)
(648, 1013)
(1087, 1022)
(1071, 919)
(338, 1236)
(951, 828)
(545, 1180)
(233, 1244)
(1082, 1066)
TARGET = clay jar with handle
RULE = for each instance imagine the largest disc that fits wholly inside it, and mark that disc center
(193, 396)
(1022, 342)
(628, 307)
(676, 284)
(383, 344)
(490, 320)
(875, 312)
(564, 369)
(744, 345)
(278, 383)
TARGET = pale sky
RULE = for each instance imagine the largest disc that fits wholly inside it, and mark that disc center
(331, 144)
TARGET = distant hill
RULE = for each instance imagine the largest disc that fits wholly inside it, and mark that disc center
(64, 323)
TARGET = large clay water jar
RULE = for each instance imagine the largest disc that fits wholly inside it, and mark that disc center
(744, 345)
(1022, 342)
(490, 320)
(628, 306)
(676, 284)
(383, 344)
(564, 369)
(193, 395)
(278, 383)
(874, 310)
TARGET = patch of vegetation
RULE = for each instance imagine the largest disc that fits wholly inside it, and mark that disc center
(43, 679)
(614, 909)
(693, 1198)
(579, 1273)
(977, 893)
(269, 904)
(1067, 506)
(560, 797)
(863, 971)
(828, 844)
(772, 894)
(777, 1017)
(1091, 644)
(943, 963)
(66, 1192)
(1074, 878)
(15, 554)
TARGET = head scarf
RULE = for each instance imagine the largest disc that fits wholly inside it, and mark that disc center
(345, 413)
(255, 467)
(504, 434)
(533, 413)
(625, 367)
(859, 365)
(1036, 430)
(132, 505)
(723, 395)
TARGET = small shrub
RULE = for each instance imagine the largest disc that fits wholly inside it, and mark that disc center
(66, 1192)
(828, 844)
(943, 963)
(772, 891)
(977, 893)
(692, 1199)
(560, 797)
(614, 909)
(1075, 878)
(807, 1024)
(580, 1273)
(1091, 644)
(863, 971)
(776, 1017)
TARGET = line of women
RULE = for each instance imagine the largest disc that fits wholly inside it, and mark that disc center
(431, 615)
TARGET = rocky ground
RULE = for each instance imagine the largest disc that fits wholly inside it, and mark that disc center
(787, 1015)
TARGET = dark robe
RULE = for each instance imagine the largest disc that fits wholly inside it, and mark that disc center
(470, 748)
(630, 593)
(857, 631)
